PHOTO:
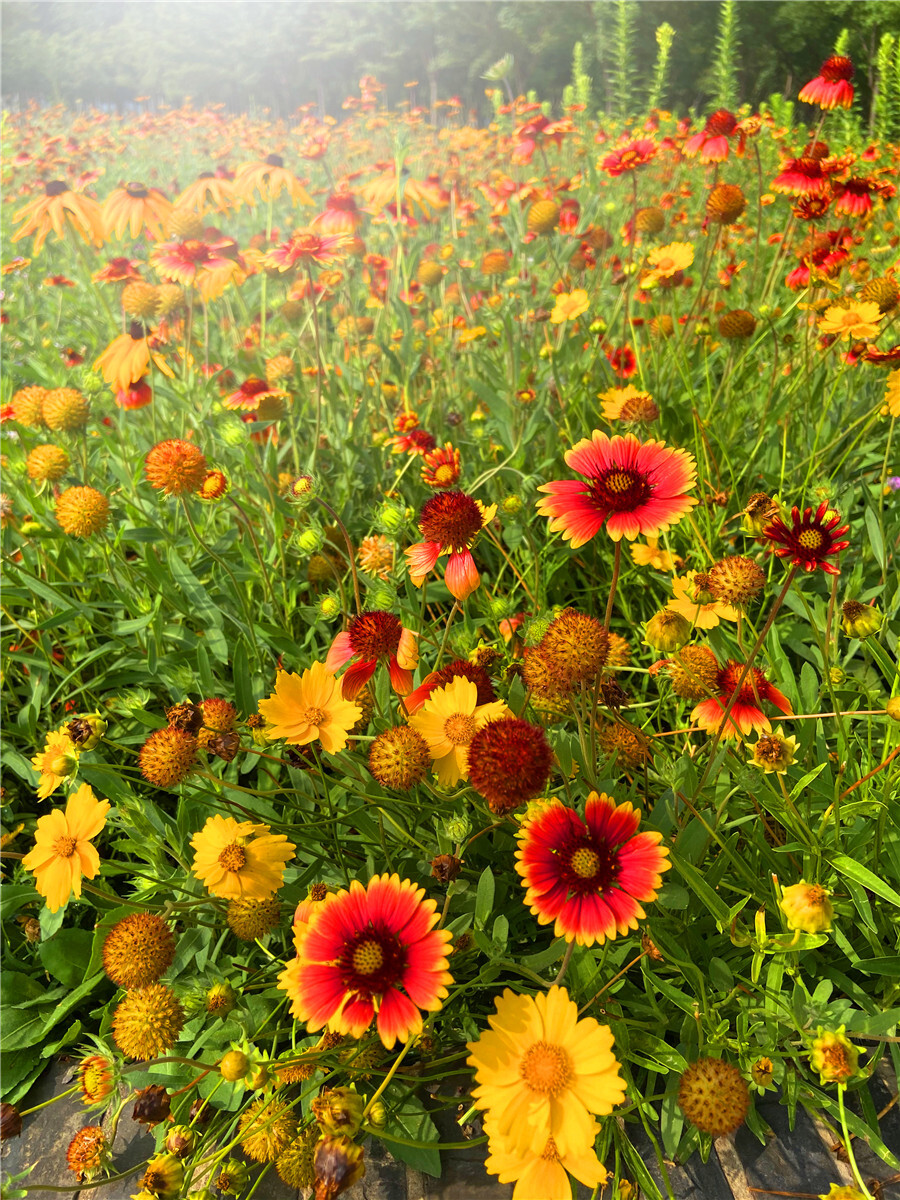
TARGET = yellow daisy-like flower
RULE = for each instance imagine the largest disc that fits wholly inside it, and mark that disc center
(666, 261)
(650, 554)
(63, 852)
(310, 706)
(239, 859)
(58, 210)
(265, 180)
(696, 604)
(545, 1174)
(448, 720)
(127, 359)
(541, 1072)
(57, 762)
(569, 305)
(892, 394)
(628, 404)
(860, 320)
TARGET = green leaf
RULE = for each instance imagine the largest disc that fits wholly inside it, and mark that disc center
(198, 598)
(888, 965)
(862, 875)
(484, 897)
(701, 888)
(411, 1123)
(66, 955)
(874, 531)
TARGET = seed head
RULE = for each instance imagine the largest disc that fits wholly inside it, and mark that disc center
(630, 746)
(252, 919)
(509, 763)
(65, 409)
(168, 757)
(575, 647)
(175, 467)
(649, 220)
(140, 300)
(543, 216)
(399, 758)
(147, 1022)
(295, 1164)
(151, 1105)
(736, 324)
(736, 580)
(82, 511)
(28, 407)
(714, 1096)
(266, 1130)
(47, 464)
(725, 203)
(138, 950)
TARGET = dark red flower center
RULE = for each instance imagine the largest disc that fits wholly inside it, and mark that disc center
(721, 123)
(858, 187)
(341, 203)
(754, 688)
(273, 160)
(253, 386)
(137, 191)
(195, 252)
(136, 331)
(588, 865)
(461, 669)
(372, 961)
(620, 489)
(450, 518)
(373, 634)
(55, 187)
(836, 68)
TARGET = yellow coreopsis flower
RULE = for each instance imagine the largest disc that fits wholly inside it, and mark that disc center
(448, 720)
(240, 860)
(569, 305)
(544, 1174)
(651, 554)
(666, 261)
(860, 320)
(307, 707)
(892, 394)
(696, 604)
(57, 762)
(63, 850)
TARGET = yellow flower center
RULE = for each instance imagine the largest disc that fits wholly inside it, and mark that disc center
(444, 474)
(810, 539)
(315, 716)
(619, 481)
(368, 958)
(546, 1068)
(460, 729)
(585, 862)
(233, 857)
(64, 847)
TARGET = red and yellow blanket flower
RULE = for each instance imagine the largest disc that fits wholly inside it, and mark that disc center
(63, 852)
(630, 486)
(374, 636)
(589, 875)
(746, 715)
(370, 953)
(449, 522)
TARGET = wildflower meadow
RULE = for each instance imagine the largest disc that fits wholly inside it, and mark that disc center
(450, 634)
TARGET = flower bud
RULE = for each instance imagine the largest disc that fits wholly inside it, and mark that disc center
(339, 1164)
(180, 1140)
(86, 732)
(235, 1065)
(445, 868)
(377, 1115)
(833, 1056)
(328, 606)
(667, 630)
(338, 1111)
(302, 490)
(310, 540)
(391, 517)
(233, 1177)
(860, 620)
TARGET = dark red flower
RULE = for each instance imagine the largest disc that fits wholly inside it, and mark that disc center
(509, 763)
(810, 539)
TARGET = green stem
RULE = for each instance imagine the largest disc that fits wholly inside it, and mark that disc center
(848, 1144)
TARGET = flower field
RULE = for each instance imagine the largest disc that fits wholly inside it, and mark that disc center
(450, 634)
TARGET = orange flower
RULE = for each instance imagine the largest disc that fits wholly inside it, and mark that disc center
(127, 357)
(309, 707)
(860, 320)
(135, 207)
(666, 261)
(57, 208)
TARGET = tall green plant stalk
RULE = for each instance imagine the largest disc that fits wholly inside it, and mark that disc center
(665, 36)
(624, 74)
(724, 71)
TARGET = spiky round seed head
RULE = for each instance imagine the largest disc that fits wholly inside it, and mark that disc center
(736, 579)
(82, 511)
(494, 262)
(662, 326)
(714, 1096)
(47, 464)
(295, 1164)
(509, 763)
(252, 919)
(667, 630)
(429, 273)
(278, 368)
(175, 467)
(694, 672)
(219, 716)
(542, 678)
(140, 299)
(147, 1022)
(138, 950)
(619, 654)
(170, 299)
(66, 409)
(738, 323)
(649, 220)
(168, 757)
(630, 746)
(399, 758)
(884, 292)
(184, 224)
(575, 646)
(725, 203)
(266, 1130)
(543, 216)
(28, 407)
